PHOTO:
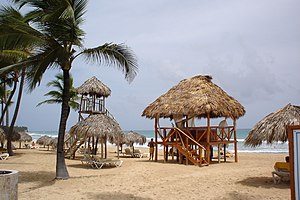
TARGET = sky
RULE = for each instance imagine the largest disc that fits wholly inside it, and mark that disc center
(251, 48)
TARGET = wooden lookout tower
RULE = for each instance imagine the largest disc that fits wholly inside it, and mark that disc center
(92, 106)
(197, 97)
(93, 93)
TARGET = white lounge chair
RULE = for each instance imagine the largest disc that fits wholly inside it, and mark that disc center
(4, 156)
(128, 152)
(137, 153)
(99, 163)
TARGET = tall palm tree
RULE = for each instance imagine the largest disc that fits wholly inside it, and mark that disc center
(56, 96)
(56, 25)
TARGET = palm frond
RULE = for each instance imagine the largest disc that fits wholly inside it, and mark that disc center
(114, 54)
(49, 101)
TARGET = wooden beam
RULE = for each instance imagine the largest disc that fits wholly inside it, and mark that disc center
(156, 129)
(235, 141)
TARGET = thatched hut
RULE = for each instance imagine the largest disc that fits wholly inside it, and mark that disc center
(99, 126)
(273, 127)
(93, 93)
(196, 97)
(24, 137)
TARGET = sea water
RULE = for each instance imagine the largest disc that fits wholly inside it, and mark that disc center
(276, 147)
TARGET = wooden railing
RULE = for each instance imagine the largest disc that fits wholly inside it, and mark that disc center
(185, 144)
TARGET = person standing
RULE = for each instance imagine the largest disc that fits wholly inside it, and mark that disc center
(151, 150)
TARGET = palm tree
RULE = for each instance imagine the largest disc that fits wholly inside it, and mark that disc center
(56, 27)
(56, 96)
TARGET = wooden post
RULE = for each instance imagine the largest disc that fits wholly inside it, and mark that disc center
(208, 139)
(235, 141)
(155, 130)
(165, 148)
(80, 108)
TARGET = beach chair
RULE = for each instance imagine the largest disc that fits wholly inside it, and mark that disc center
(282, 172)
(99, 162)
(137, 153)
(4, 156)
(128, 152)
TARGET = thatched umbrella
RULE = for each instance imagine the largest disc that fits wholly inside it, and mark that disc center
(24, 137)
(44, 140)
(195, 97)
(93, 86)
(134, 137)
(2, 135)
(15, 134)
(99, 126)
(272, 128)
(53, 142)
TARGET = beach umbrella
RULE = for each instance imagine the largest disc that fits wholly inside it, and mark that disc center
(44, 140)
(15, 135)
(24, 137)
(99, 126)
(53, 142)
(272, 128)
(2, 135)
(134, 137)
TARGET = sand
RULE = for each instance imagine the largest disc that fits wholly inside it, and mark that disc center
(139, 178)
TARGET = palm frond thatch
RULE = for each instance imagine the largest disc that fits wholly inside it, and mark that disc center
(98, 125)
(44, 140)
(272, 128)
(134, 137)
(2, 135)
(15, 134)
(25, 137)
(196, 97)
(93, 86)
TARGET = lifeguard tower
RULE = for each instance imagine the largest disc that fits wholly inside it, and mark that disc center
(196, 97)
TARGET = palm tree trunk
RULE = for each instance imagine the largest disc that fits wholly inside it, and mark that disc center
(8, 101)
(18, 103)
(61, 168)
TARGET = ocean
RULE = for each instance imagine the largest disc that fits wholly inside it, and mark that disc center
(241, 135)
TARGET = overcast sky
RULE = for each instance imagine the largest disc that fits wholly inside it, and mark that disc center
(250, 48)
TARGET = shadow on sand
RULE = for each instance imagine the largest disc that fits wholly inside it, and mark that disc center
(115, 195)
(41, 178)
(264, 182)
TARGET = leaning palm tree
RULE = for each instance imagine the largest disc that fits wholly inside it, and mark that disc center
(56, 96)
(56, 25)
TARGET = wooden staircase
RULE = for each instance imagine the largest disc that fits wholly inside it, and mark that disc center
(189, 147)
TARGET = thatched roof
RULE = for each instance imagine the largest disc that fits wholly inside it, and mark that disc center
(93, 86)
(196, 97)
(98, 125)
(25, 137)
(15, 134)
(44, 140)
(2, 135)
(272, 128)
(134, 137)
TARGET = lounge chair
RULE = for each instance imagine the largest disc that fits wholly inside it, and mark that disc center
(282, 172)
(128, 152)
(4, 156)
(137, 153)
(100, 162)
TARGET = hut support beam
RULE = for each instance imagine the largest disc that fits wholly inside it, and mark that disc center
(156, 129)
(207, 140)
(235, 141)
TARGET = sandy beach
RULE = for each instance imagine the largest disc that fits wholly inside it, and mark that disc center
(139, 178)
